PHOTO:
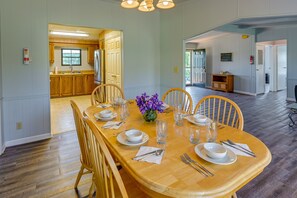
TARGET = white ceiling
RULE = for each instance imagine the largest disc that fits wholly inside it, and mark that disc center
(255, 24)
(94, 33)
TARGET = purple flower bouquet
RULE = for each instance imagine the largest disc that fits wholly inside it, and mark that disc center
(149, 106)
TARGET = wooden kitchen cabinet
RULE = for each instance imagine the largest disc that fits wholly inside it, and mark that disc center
(89, 83)
(67, 85)
(51, 53)
(71, 84)
(91, 50)
(55, 86)
(222, 82)
(79, 88)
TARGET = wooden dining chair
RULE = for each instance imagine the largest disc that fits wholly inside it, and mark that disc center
(83, 143)
(221, 110)
(107, 178)
(105, 93)
(176, 96)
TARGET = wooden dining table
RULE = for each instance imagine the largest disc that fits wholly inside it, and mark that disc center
(173, 178)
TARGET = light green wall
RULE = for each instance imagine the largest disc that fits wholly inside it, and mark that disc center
(26, 87)
(153, 48)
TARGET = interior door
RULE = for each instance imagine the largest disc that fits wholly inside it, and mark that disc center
(260, 75)
(113, 61)
(281, 67)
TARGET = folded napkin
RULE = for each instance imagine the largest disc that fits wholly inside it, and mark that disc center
(112, 125)
(104, 105)
(165, 106)
(238, 152)
(150, 158)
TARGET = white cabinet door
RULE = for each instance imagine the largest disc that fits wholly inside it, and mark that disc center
(113, 61)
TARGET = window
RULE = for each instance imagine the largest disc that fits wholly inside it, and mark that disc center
(71, 57)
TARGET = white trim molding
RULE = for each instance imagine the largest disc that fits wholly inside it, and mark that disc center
(2, 149)
(245, 93)
(28, 140)
(291, 99)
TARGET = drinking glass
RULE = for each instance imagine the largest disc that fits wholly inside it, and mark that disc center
(115, 102)
(194, 135)
(211, 132)
(161, 131)
(178, 116)
(124, 111)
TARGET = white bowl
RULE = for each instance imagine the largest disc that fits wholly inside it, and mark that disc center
(215, 150)
(200, 118)
(105, 113)
(134, 135)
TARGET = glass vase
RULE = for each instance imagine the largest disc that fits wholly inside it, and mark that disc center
(150, 115)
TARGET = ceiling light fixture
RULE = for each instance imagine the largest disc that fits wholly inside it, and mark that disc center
(69, 34)
(147, 5)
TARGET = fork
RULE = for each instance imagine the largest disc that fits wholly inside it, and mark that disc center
(197, 164)
(189, 163)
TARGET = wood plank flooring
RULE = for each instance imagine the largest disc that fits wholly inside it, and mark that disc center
(49, 168)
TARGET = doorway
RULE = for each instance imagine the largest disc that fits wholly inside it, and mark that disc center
(271, 66)
(72, 69)
(195, 67)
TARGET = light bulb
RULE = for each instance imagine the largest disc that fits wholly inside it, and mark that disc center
(165, 3)
(130, 2)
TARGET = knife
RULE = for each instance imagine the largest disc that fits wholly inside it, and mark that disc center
(152, 152)
(253, 155)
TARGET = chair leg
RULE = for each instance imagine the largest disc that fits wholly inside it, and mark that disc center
(234, 195)
(79, 176)
(92, 189)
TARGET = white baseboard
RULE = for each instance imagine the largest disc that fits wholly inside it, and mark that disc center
(246, 93)
(27, 140)
(291, 99)
(2, 149)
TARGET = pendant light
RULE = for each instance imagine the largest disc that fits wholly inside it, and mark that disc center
(165, 4)
(146, 6)
(129, 3)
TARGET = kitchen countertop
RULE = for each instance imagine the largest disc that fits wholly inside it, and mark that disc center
(68, 73)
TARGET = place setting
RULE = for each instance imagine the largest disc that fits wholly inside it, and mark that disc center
(132, 137)
(198, 119)
(105, 115)
(154, 154)
(206, 148)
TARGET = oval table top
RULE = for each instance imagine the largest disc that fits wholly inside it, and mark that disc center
(172, 177)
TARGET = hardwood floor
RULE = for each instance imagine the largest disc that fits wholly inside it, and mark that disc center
(266, 117)
(49, 168)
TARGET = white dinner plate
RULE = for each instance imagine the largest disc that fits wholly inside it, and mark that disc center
(98, 117)
(121, 138)
(230, 158)
(191, 119)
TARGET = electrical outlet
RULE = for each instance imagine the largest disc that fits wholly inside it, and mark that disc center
(19, 125)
